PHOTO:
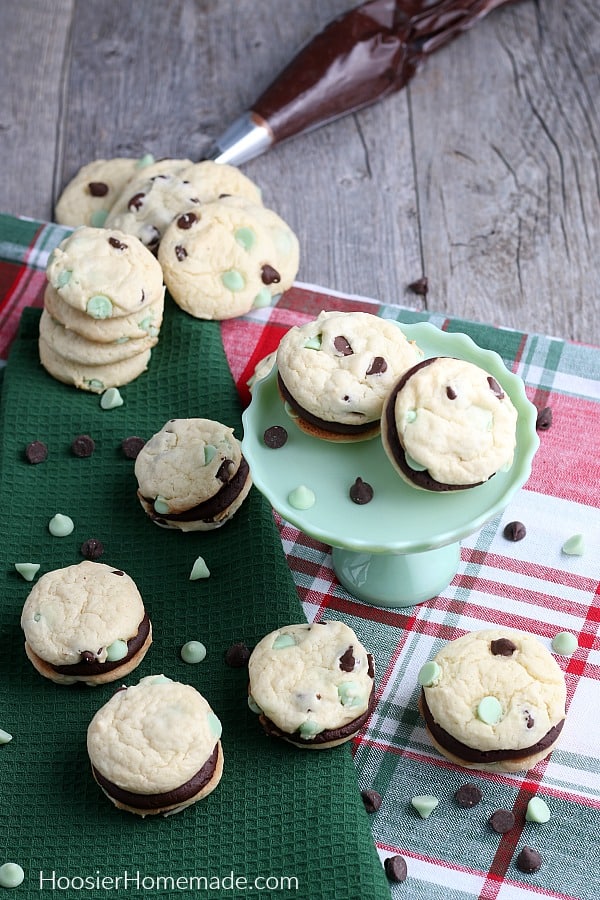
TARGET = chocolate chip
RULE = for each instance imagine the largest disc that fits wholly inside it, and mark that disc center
(237, 655)
(117, 244)
(342, 345)
(502, 647)
(372, 800)
(347, 661)
(98, 188)
(186, 220)
(378, 366)
(544, 419)
(180, 252)
(371, 665)
(468, 796)
(361, 492)
(275, 436)
(395, 868)
(136, 202)
(131, 446)
(514, 531)
(92, 549)
(83, 446)
(224, 471)
(36, 452)
(269, 275)
(495, 387)
(87, 656)
(420, 286)
(529, 860)
(530, 720)
(117, 572)
(450, 393)
(502, 821)
(152, 240)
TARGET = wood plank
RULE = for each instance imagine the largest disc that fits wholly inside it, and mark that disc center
(33, 45)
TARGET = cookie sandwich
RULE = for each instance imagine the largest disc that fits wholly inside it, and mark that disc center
(155, 747)
(192, 475)
(312, 685)
(335, 372)
(85, 623)
(493, 700)
(448, 425)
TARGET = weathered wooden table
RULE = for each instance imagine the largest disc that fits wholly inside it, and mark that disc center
(483, 175)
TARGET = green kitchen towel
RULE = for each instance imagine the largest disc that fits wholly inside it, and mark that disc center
(283, 821)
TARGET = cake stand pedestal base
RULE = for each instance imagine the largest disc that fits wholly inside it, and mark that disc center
(395, 580)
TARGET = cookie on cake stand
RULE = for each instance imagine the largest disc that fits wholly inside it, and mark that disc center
(402, 546)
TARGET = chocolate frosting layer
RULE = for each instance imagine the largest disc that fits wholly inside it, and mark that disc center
(330, 734)
(211, 508)
(168, 798)
(470, 754)
(335, 427)
(421, 479)
(95, 667)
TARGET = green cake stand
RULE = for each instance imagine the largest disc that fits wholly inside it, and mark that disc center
(403, 547)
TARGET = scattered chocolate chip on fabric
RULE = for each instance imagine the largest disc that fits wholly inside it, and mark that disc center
(502, 647)
(544, 419)
(83, 446)
(275, 436)
(514, 531)
(371, 800)
(468, 796)
(92, 549)
(529, 860)
(36, 452)
(131, 446)
(419, 287)
(237, 655)
(395, 868)
(502, 821)
(361, 492)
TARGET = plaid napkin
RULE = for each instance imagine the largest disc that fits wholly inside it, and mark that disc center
(531, 585)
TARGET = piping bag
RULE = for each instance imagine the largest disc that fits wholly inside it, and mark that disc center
(360, 57)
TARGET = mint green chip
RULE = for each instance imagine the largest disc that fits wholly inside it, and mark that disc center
(98, 218)
(574, 546)
(245, 237)
(60, 526)
(193, 652)
(161, 506)
(233, 280)
(199, 569)
(565, 643)
(429, 674)
(489, 711)
(116, 651)
(111, 398)
(309, 728)
(146, 160)
(11, 875)
(99, 307)
(64, 278)
(214, 724)
(425, 804)
(537, 811)
(262, 299)
(411, 416)
(27, 570)
(313, 343)
(5, 737)
(350, 694)
(209, 453)
(301, 497)
(413, 464)
(282, 641)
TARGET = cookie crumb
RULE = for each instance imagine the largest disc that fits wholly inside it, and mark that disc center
(544, 419)
(83, 446)
(529, 860)
(237, 655)
(371, 800)
(36, 452)
(395, 868)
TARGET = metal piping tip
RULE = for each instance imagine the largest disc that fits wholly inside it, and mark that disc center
(245, 139)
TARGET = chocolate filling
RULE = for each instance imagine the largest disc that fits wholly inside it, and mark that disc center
(330, 734)
(421, 479)
(95, 667)
(470, 754)
(335, 427)
(168, 798)
(211, 508)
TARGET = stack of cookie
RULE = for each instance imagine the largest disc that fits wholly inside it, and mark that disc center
(103, 308)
